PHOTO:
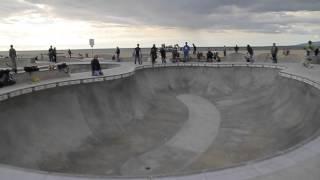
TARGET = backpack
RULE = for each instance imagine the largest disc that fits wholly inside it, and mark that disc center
(31, 69)
(6, 79)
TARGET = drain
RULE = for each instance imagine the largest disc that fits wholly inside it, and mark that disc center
(148, 168)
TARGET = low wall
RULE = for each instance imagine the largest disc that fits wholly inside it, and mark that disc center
(20, 62)
(45, 74)
(40, 75)
(79, 68)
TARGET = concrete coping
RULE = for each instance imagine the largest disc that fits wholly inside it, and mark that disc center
(285, 159)
(85, 78)
(45, 67)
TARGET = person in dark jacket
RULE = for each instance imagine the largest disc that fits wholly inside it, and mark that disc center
(236, 49)
(50, 54)
(163, 54)
(194, 49)
(95, 67)
(70, 53)
(274, 53)
(250, 53)
(54, 53)
(153, 54)
(209, 56)
(118, 54)
(316, 52)
(175, 54)
(137, 55)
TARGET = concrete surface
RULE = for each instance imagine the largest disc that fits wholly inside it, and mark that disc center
(272, 115)
(40, 75)
(266, 58)
(194, 138)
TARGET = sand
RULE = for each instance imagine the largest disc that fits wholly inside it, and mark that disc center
(261, 55)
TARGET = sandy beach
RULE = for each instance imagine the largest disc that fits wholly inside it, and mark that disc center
(262, 54)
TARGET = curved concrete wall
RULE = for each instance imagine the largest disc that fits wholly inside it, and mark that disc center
(262, 113)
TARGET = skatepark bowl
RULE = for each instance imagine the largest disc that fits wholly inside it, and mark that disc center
(159, 122)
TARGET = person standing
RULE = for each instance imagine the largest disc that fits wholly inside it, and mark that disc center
(163, 54)
(186, 50)
(13, 57)
(194, 49)
(153, 54)
(54, 53)
(50, 54)
(118, 54)
(225, 51)
(274, 53)
(236, 49)
(175, 54)
(70, 54)
(251, 53)
(137, 55)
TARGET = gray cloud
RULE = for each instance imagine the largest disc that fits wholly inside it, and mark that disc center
(9, 7)
(248, 15)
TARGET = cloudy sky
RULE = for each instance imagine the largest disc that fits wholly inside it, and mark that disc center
(36, 24)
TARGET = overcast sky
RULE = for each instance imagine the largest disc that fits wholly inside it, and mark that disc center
(36, 24)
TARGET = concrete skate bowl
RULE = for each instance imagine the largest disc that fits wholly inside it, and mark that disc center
(163, 121)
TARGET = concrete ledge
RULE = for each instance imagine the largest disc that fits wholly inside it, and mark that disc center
(41, 75)
(85, 78)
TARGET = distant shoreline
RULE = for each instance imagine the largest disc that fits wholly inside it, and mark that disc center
(219, 48)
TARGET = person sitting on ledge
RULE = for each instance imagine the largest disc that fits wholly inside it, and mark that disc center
(199, 55)
(216, 56)
(95, 67)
